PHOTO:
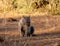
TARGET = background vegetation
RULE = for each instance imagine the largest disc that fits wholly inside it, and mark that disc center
(30, 6)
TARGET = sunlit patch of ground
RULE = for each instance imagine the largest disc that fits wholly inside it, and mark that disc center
(15, 14)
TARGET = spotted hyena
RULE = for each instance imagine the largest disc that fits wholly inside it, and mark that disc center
(24, 26)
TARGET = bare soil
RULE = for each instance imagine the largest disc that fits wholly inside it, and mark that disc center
(47, 32)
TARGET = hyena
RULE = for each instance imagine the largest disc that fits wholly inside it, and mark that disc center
(24, 26)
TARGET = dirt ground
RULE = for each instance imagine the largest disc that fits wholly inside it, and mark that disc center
(47, 32)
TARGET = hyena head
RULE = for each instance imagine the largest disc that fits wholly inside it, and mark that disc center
(27, 20)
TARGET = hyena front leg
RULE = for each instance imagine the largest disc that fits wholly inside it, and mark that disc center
(26, 34)
(19, 29)
(26, 31)
(22, 31)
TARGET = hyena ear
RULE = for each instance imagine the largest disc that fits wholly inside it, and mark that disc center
(29, 15)
(23, 16)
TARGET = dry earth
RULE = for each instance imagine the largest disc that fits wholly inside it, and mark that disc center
(47, 32)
